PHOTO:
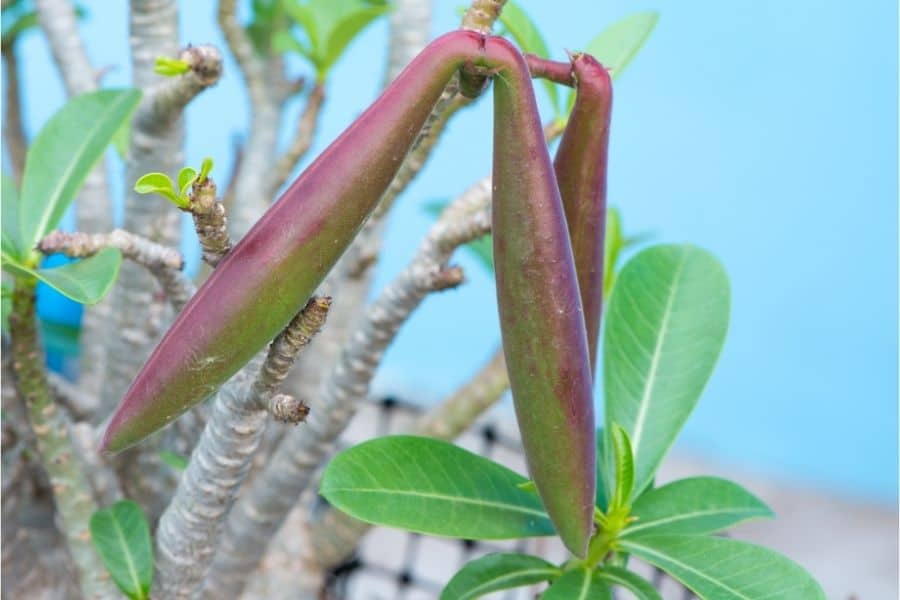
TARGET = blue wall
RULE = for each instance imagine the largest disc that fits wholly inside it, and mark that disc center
(765, 131)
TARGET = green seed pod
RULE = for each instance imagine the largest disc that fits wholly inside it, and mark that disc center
(541, 317)
(581, 172)
(262, 283)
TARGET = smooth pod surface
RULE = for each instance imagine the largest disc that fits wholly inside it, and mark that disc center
(581, 166)
(541, 316)
(266, 278)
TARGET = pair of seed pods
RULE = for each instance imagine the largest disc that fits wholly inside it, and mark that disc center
(548, 225)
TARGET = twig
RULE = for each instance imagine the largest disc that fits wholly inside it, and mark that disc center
(163, 262)
(210, 222)
(13, 133)
(303, 138)
(71, 490)
(190, 527)
(257, 515)
(60, 24)
(248, 199)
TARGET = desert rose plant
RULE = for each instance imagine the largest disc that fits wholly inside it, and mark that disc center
(175, 441)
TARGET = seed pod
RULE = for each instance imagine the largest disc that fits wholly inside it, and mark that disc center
(580, 167)
(541, 317)
(262, 283)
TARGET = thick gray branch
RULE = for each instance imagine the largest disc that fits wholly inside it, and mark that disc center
(259, 513)
(190, 527)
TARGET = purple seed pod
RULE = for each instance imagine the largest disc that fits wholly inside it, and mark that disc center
(262, 283)
(541, 317)
(581, 172)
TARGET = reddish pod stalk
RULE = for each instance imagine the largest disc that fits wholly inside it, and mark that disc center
(541, 317)
(580, 167)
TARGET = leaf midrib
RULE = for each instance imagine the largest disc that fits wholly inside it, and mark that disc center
(458, 499)
(691, 515)
(643, 408)
(476, 591)
(669, 558)
(132, 569)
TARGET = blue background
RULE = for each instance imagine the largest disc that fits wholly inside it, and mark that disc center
(765, 131)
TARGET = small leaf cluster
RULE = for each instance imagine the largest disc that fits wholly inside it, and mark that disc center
(326, 28)
(57, 163)
(178, 194)
(121, 535)
(664, 328)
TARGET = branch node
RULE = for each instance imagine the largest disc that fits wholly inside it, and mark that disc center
(287, 409)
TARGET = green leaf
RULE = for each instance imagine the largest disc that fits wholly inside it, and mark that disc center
(186, 177)
(160, 183)
(665, 327)
(122, 538)
(87, 280)
(176, 461)
(284, 41)
(624, 465)
(122, 139)
(10, 217)
(430, 486)
(63, 154)
(640, 587)
(346, 30)
(619, 43)
(205, 168)
(15, 267)
(698, 505)
(170, 67)
(725, 569)
(303, 16)
(526, 34)
(495, 572)
(604, 483)
(578, 584)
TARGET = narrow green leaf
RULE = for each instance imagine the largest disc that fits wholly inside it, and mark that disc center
(665, 326)
(346, 30)
(430, 486)
(170, 67)
(205, 168)
(303, 17)
(176, 461)
(186, 177)
(605, 483)
(624, 466)
(637, 585)
(495, 572)
(526, 34)
(725, 569)
(578, 584)
(619, 43)
(122, 538)
(9, 198)
(87, 280)
(122, 140)
(698, 505)
(63, 154)
(284, 41)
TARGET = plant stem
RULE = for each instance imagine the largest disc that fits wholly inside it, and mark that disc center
(71, 489)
